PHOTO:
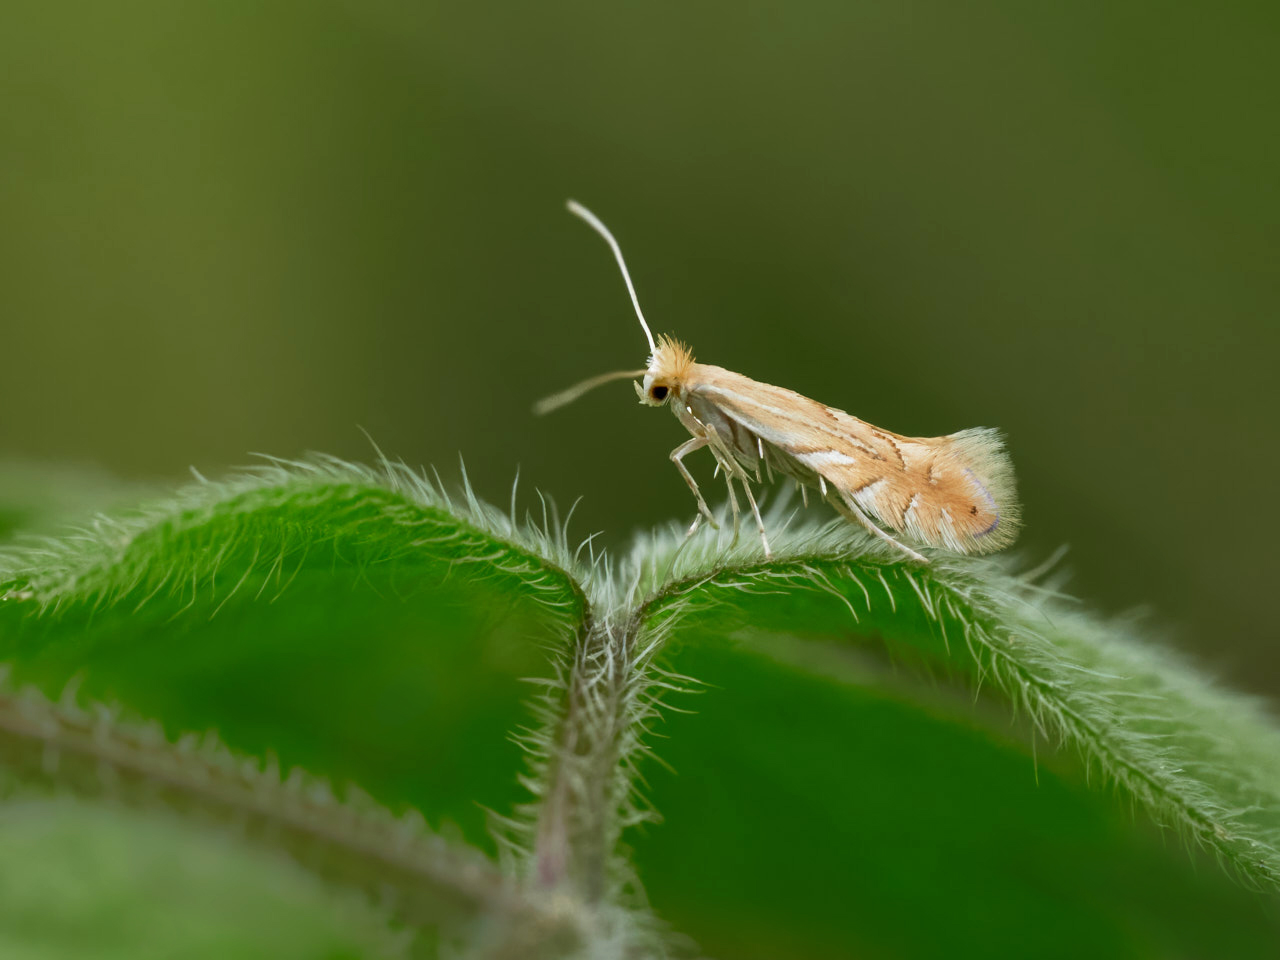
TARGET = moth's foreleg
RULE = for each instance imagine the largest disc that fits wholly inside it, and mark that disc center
(746, 488)
(677, 457)
(852, 511)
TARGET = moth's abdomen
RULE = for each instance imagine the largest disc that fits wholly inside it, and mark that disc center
(955, 492)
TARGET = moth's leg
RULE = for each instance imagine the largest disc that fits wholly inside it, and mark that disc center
(677, 457)
(853, 512)
(693, 527)
(746, 488)
(733, 501)
(726, 462)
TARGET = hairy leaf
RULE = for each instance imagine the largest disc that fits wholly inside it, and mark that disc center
(825, 735)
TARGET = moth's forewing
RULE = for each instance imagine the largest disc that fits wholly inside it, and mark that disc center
(954, 491)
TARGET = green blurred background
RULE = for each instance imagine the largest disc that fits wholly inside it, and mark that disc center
(233, 226)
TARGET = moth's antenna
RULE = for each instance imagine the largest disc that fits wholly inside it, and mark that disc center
(556, 401)
(578, 210)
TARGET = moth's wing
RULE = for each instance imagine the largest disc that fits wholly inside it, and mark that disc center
(954, 491)
(847, 451)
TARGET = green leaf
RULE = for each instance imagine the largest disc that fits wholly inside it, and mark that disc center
(1203, 761)
(851, 785)
(826, 735)
(81, 880)
(64, 749)
(352, 629)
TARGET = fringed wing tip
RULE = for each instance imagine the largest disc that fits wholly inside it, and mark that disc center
(983, 454)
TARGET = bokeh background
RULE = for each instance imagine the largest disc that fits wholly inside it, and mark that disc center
(229, 227)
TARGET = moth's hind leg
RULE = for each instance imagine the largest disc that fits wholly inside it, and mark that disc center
(853, 512)
(677, 457)
(746, 488)
(733, 500)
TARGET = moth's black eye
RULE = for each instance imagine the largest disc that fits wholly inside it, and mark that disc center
(658, 392)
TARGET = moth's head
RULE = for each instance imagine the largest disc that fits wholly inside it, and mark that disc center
(668, 370)
(670, 363)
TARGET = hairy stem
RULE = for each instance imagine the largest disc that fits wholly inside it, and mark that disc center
(577, 824)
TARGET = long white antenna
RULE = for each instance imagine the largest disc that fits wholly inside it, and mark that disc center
(578, 210)
(556, 401)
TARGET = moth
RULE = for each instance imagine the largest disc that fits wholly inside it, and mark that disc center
(954, 492)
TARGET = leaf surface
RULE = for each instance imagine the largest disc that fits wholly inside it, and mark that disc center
(829, 753)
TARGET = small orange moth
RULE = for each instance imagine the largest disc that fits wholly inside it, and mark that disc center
(954, 492)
